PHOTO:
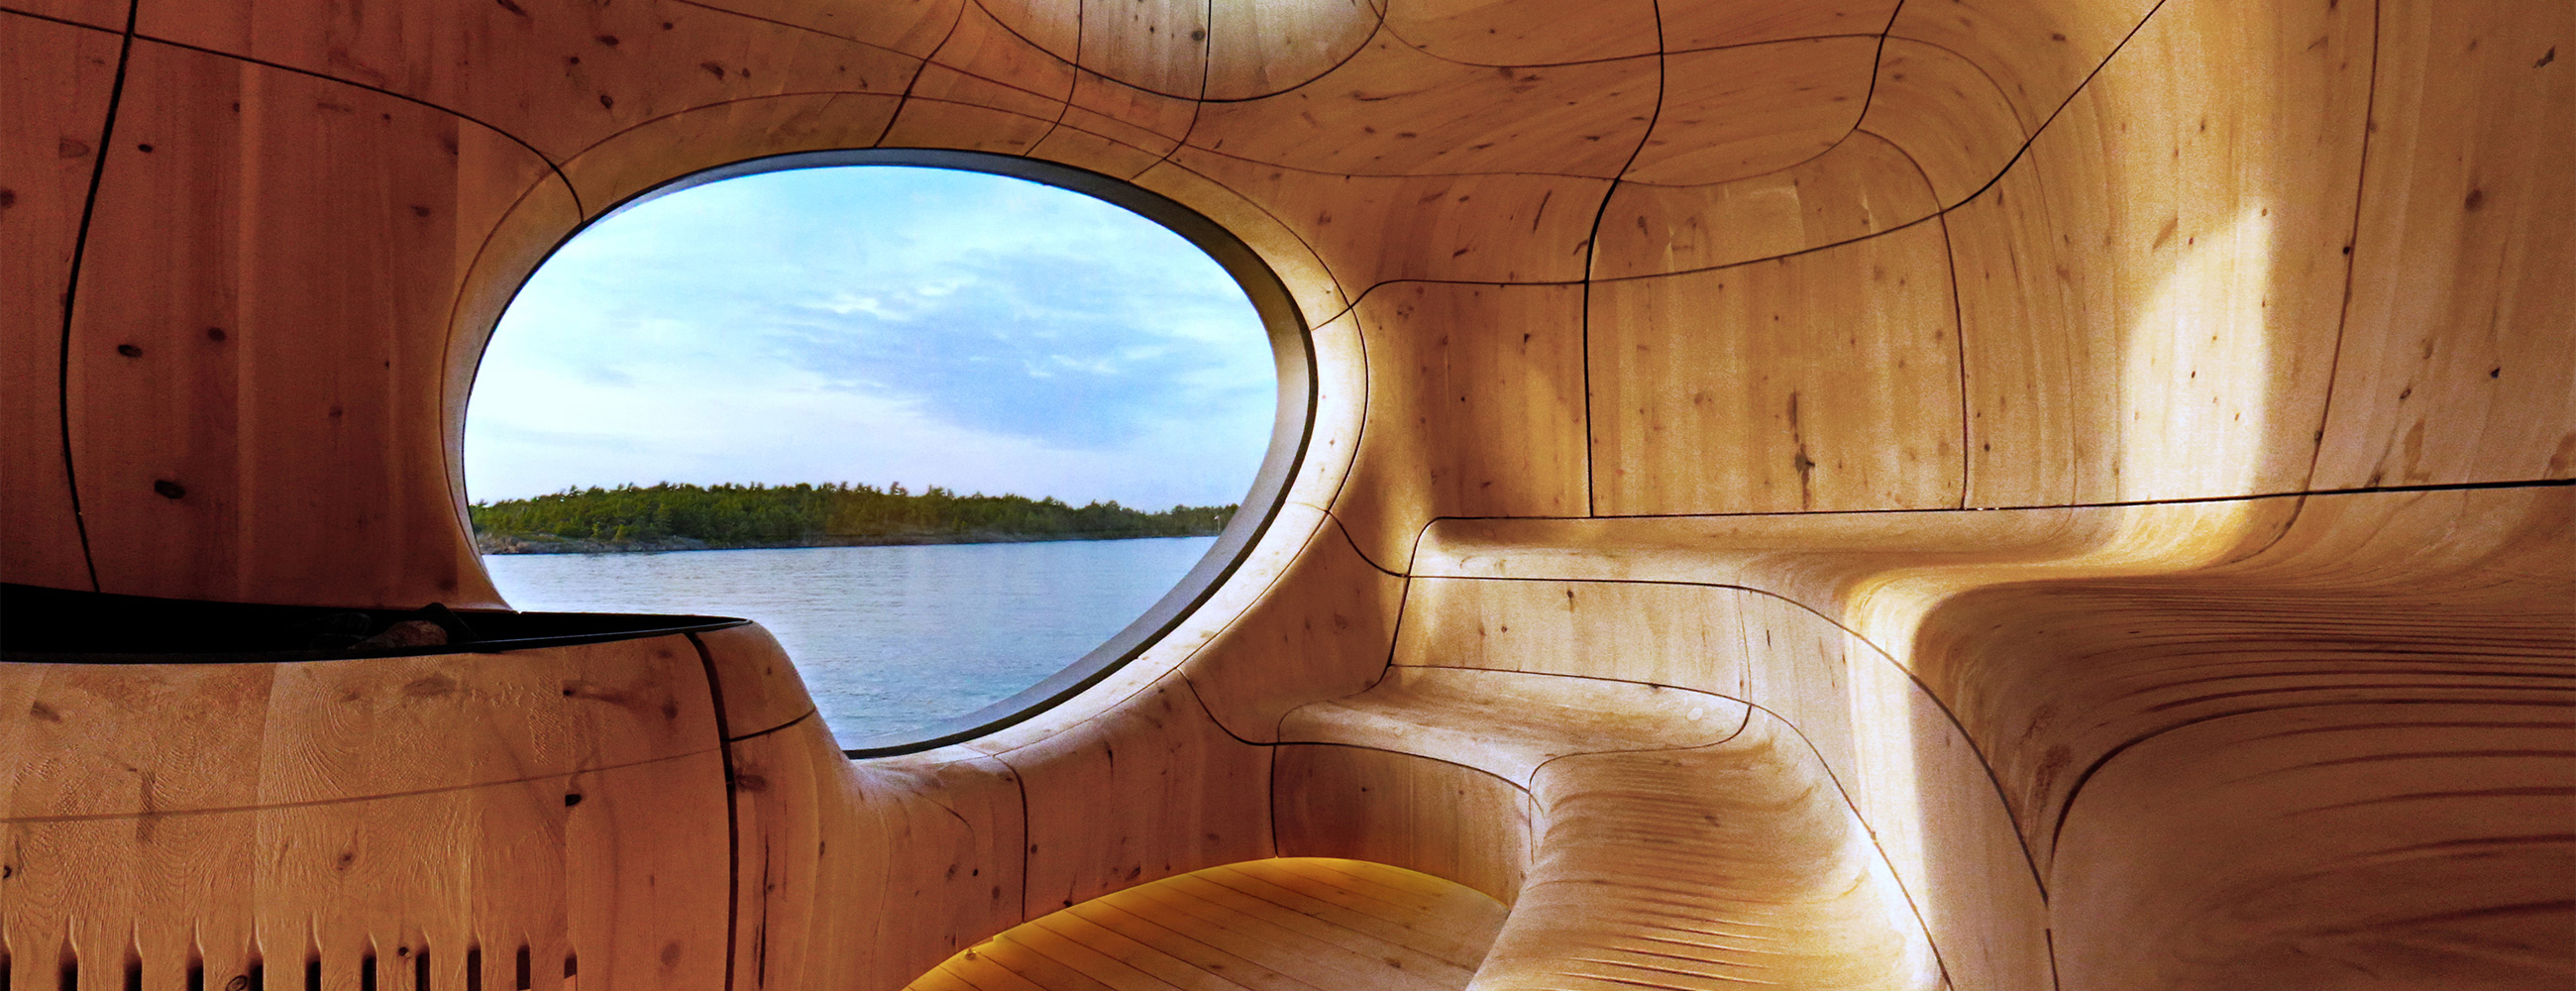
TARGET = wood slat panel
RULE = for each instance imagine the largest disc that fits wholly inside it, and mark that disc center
(131, 739)
(1703, 869)
(2149, 297)
(1680, 635)
(1320, 632)
(1509, 723)
(1440, 818)
(1503, 228)
(258, 402)
(1258, 48)
(1946, 114)
(1831, 379)
(2458, 362)
(2038, 52)
(1523, 32)
(1695, 24)
(55, 97)
(1730, 113)
(867, 872)
(1160, 46)
(1088, 836)
(1487, 422)
(1392, 110)
(1863, 186)
(607, 67)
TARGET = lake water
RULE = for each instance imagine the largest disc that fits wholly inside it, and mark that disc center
(889, 639)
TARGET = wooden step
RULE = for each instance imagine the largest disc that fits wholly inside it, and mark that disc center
(1290, 924)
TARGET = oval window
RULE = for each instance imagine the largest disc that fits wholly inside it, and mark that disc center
(963, 441)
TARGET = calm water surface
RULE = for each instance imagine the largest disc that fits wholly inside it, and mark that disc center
(888, 638)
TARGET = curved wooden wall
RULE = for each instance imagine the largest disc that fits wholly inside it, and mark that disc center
(2125, 441)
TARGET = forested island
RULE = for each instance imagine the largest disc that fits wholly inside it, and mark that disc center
(670, 517)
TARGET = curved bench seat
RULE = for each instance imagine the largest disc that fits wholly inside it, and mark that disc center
(1675, 838)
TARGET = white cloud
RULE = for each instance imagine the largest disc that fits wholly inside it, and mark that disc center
(875, 325)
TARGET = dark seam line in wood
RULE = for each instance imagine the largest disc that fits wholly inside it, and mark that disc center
(2351, 253)
(1350, 302)
(405, 97)
(1394, 644)
(757, 734)
(1356, 549)
(1515, 786)
(792, 26)
(1659, 49)
(2075, 788)
(1872, 832)
(920, 67)
(2539, 483)
(2001, 796)
(351, 799)
(732, 796)
(1192, 689)
(2007, 168)
(71, 292)
(1591, 263)
(64, 21)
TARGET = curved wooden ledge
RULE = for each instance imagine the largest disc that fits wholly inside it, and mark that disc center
(1303, 923)
(1674, 838)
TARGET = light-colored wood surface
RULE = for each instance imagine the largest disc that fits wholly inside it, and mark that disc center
(1830, 378)
(1674, 838)
(2458, 364)
(1482, 424)
(1314, 923)
(1565, 266)
(366, 820)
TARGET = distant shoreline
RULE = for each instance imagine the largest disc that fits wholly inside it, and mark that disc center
(487, 544)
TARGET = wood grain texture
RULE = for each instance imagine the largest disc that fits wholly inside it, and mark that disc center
(257, 405)
(1319, 632)
(1510, 724)
(1678, 635)
(1285, 923)
(106, 15)
(1260, 48)
(1831, 378)
(1487, 422)
(867, 872)
(2194, 295)
(366, 820)
(1695, 24)
(1392, 110)
(755, 681)
(2457, 361)
(1729, 113)
(1702, 868)
(1494, 228)
(1444, 819)
(1947, 116)
(1863, 186)
(607, 68)
(2038, 53)
(2250, 248)
(1523, 32)
(55, 99)
(1088, 836)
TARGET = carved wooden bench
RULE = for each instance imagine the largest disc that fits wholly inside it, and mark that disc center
(1670, 837)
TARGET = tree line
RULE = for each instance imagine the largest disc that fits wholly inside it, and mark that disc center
(668, 516)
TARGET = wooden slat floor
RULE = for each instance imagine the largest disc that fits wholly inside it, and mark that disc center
(1291, 924)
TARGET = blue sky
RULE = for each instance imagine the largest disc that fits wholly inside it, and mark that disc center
(877, 324)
